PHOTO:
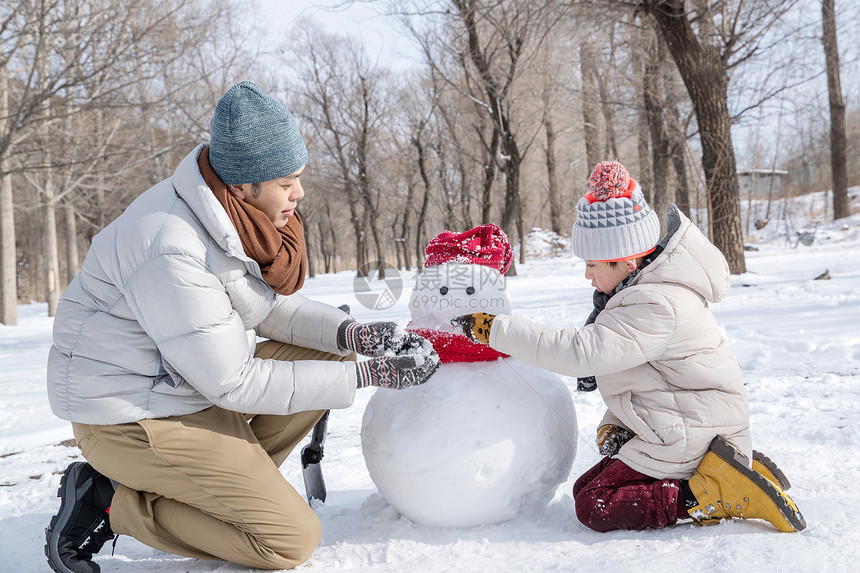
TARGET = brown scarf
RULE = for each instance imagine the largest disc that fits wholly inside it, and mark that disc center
(280, 252)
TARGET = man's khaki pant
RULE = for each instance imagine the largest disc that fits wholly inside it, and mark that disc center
(207, 485)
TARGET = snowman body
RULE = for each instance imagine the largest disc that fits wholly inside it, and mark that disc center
(487, 435)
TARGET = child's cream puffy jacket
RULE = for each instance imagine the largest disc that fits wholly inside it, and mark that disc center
(662, 367)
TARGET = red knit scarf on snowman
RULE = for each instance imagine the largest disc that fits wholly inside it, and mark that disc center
(456, 347)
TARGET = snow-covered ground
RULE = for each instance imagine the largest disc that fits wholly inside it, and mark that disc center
(797, 340)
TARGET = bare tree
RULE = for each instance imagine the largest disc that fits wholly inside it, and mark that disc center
(637, 38)
(607, 102)
(654, 109)
(422, 212)
(590, 95)
(512, 28)
(68, 59)
(343, 96)
(493, 42)
(553, 192)
(726, 35)
(838, 162)
(676, 126)
(8, 276)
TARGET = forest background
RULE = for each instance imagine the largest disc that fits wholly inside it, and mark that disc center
(503, 110)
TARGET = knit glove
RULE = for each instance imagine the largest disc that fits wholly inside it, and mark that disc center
(610, 438)
(380, 339)
(476, 326)
(397, 371)
(586, 384)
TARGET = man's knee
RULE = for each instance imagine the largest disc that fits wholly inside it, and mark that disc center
(304, 539)
(311, 538)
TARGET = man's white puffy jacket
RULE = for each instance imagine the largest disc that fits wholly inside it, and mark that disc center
(163, 317)
(661, 364)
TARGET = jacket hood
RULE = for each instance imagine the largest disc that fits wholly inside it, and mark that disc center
(688, 259)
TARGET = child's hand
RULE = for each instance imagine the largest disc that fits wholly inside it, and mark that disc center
(475, 326)
(610, 438)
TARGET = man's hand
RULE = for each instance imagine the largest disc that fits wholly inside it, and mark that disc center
(475, 326)
(610, 438)
(379, 339)
(397, 371)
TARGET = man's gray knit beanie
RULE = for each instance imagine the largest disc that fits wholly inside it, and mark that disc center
(253, 138)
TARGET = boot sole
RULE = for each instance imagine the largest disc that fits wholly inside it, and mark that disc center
(768, 465)
(727, 452)
(52, 532)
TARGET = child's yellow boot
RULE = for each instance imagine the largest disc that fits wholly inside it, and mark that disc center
(725, 487)
(765, 466)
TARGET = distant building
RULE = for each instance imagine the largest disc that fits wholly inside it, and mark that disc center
(761, 183)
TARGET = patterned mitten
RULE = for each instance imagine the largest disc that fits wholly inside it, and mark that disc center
(397, 371)
(610, 438)
(586, 384)
(379, 339)
(475, 326)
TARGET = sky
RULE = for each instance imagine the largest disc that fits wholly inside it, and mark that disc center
(382, 35)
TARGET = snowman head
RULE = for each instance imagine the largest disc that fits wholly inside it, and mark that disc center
(463, 274)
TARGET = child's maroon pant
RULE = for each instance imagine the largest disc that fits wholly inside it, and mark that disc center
(612, 495)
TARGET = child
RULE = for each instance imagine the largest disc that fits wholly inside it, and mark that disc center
(676, 431)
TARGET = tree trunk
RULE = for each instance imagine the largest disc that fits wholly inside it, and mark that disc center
(8, 268)
(659, 142)
(679, 163)
(490, 168)
(643, 134)
(396, 242)
(552, 178)
(611, 147)
(422, 213)
(512, 178)
(324, 252)
(521, 229)
(589, 106)
(512, 212)
(706, 80)
(838, 162)
(465, 191)
(49, 227)
(72, 262)
(676, 132)
(450, 221)
(49, 244)
(364, 185)
(333, 254)
(52, 261)
(358, 232)
(403, 239)
(306, 232)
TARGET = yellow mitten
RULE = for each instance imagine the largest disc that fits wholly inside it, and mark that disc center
(475, 326)
(610, 438)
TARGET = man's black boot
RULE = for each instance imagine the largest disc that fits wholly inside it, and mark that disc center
(82, 526)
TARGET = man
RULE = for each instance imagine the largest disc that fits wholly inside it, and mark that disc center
(182, 418)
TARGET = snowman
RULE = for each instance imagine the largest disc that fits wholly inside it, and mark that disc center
(487, 435)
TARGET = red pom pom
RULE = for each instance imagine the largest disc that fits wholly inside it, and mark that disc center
(608, 180)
